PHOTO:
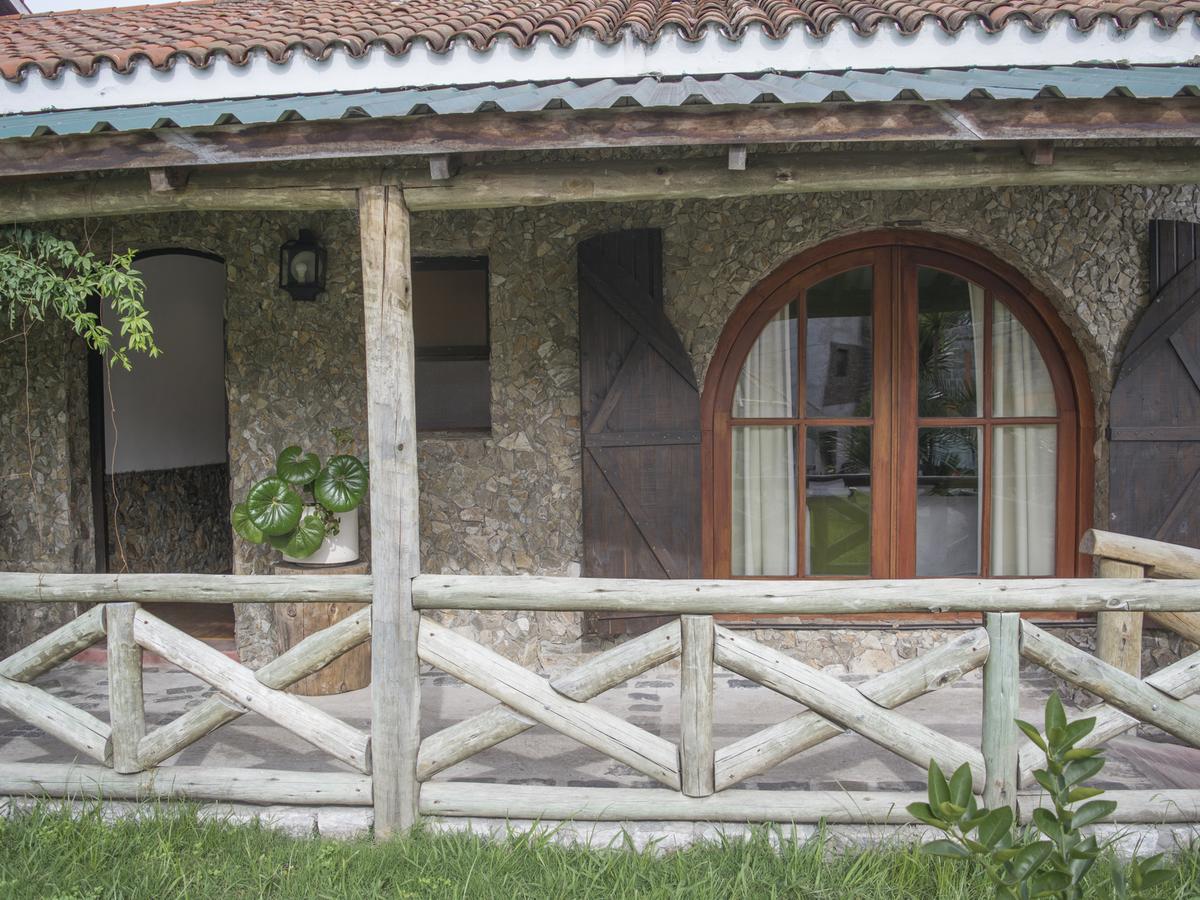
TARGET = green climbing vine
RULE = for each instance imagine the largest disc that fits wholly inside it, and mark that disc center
(43, 275)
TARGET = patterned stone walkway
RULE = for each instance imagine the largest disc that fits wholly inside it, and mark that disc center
(543, 757)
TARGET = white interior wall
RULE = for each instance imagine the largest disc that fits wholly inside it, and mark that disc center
(170, 411)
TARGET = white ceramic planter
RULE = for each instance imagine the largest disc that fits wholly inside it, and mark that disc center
(338, 549)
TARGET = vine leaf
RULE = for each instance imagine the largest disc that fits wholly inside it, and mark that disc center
(297, 467)
(274, 507)
(342, 484)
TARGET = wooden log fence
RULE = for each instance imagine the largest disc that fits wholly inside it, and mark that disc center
(124, 759)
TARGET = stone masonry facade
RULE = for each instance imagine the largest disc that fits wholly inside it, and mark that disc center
(509, 502)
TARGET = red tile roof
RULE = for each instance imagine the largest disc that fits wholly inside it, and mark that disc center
(201, 30)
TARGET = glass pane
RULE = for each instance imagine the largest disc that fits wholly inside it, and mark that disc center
(1020, 380)
(838, 496)
(837, 346)
(450, 307)
(950, 344)
(766, 387)
(453, 393)
(948, 507)
(764, 501)
(1024, 494)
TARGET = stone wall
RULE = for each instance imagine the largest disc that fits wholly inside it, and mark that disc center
(510, 502)
(45, 515)
(170, 520)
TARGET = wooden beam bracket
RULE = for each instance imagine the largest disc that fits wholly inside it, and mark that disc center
(443, 167)
(1038, 153)
(168, 179)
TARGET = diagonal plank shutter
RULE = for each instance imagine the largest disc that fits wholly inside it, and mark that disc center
(641, 423)
(1154, 458)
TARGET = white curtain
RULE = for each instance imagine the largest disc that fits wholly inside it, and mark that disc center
(766, 387)
(764, 464)
(1024, 470)
(978, 313)
(764, 501)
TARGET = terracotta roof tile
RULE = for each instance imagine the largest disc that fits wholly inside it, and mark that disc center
(199, 31)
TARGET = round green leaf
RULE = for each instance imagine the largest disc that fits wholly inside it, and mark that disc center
(274, 507)
(307, 539)
(342, 484)
(280, 541)
(297, 467)
(244, 528)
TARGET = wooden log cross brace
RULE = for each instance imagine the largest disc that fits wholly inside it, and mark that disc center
(866, 710)
(527, 699)
(122, 744)
(76, 728)
(1161, 699)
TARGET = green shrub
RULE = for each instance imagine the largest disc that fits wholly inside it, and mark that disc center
(1052, 858)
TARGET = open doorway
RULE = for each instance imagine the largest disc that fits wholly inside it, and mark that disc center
(159, 441)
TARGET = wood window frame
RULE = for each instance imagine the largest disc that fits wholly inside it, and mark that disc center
(897, 254)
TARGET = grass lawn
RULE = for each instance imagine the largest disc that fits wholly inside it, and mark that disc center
(50, 854)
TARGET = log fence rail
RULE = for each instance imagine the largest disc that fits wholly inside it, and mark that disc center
(698, 780)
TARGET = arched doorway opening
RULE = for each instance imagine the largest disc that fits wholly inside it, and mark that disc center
(895, 404)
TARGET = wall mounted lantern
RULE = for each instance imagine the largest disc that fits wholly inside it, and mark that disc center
(302, 266)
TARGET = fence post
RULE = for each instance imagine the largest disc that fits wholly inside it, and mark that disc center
(1119, 634)
(395, 538)
(696, 753)
(1001, 696)
(126, 708)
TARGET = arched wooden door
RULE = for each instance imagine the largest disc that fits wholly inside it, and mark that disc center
(1154, 456)
(895, 405)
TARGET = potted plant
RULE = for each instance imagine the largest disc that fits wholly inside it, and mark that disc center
(306, 510)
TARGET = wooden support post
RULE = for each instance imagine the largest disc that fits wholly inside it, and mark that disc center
(126, 711)
(697, 760)
(1119, 634)
(395, 538)
(1001, 693)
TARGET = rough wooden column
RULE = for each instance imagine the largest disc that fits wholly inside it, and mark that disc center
(1001, 696)
(696, 755)
(126, 710)
(1119, 634)
(395, 546)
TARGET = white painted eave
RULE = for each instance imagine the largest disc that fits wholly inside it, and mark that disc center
(1061, 43)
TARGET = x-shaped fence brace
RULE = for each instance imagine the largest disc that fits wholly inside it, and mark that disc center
(562, 703)
(129, 629)
(1159, 699)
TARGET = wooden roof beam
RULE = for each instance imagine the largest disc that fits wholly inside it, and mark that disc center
(613, 181)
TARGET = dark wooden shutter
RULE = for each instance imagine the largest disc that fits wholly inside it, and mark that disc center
(641, 423)
(1154, 457)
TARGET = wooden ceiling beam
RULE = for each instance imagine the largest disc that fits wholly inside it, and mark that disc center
(967, 120)
(616, 181)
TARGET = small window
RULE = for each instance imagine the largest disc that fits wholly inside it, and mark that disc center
(450, 321)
